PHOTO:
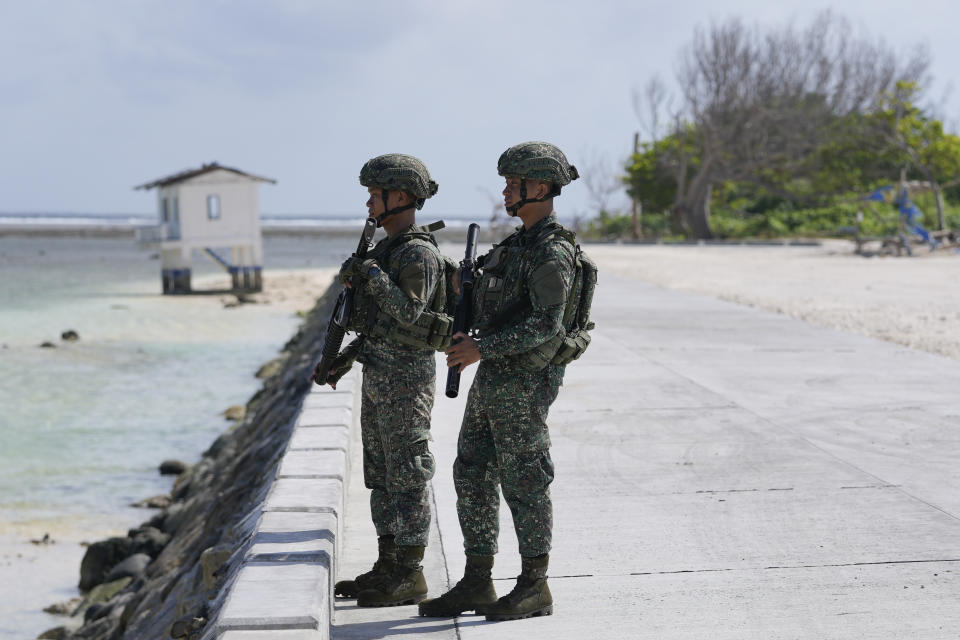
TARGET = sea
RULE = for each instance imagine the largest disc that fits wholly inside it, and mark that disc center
(85, 424)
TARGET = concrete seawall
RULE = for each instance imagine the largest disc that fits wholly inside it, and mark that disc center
(284, 585)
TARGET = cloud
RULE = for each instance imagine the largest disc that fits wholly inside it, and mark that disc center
(102, 95)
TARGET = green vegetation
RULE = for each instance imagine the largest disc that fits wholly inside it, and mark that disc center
(770, 144)
(823, 195)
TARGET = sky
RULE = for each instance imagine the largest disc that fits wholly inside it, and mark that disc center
(97, 97)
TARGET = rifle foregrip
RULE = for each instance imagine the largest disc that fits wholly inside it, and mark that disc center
(453, 382)
(461, 323)
(331, 347)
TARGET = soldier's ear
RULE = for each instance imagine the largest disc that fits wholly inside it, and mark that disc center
(543, 189)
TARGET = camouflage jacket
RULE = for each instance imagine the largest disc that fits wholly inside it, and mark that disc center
(411, 274)
(521, 294)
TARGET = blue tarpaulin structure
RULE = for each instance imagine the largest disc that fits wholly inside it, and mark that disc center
(910, 216)
(909, 212)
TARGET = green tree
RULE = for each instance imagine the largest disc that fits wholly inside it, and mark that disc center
(651, 178)
(758, 106)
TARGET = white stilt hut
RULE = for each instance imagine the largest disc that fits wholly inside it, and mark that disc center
(214, 209)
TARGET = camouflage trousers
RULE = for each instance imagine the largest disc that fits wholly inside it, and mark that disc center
(504, 441)
(397, 463)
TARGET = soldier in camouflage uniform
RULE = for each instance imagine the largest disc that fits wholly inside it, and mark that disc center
(519, 303)
(398, 285)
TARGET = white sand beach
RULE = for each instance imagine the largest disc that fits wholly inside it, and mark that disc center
(912, 301)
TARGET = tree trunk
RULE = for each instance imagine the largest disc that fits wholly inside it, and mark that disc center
(635, 222)
(694, 208)
(941, 220)
(677, 213)
(700, 213)
(937, 196)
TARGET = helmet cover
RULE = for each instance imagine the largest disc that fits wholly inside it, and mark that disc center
(397, 171)
(537, 161)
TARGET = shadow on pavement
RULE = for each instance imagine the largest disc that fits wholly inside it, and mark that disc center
(413, 624)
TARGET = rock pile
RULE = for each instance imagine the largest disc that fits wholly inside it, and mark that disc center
(163, 579)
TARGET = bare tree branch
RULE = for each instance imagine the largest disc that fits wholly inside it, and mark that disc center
(601, 179)
(650, 105)
(762, 102)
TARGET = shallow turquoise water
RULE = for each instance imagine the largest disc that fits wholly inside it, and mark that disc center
(83, 426)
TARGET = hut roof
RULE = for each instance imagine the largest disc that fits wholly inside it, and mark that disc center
(193, 173)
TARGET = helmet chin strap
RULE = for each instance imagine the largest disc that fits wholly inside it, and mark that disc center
(389, 212)
(516, 206)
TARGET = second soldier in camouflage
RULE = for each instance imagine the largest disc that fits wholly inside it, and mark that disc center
(519, 302)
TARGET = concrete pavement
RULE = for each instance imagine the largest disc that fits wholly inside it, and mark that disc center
(722, 472)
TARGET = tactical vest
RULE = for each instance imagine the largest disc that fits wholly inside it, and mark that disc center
(433, 328)
(573, 338)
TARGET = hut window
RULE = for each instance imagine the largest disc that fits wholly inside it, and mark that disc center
(176, 209)
(213, 207)
(164, 211)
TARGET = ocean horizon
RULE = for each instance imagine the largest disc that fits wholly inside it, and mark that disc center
(69, 220)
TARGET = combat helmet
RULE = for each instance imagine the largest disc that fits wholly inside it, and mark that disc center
(398, 172)
(536, 161)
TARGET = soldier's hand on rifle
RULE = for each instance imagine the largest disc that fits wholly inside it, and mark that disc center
(463, 352)
(335, 374)
(340, 365)
(354, 267)
(316, 371)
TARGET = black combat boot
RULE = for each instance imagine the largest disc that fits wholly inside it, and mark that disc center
(404, 585)
(383, 566)
(531, 597)
(474, 590)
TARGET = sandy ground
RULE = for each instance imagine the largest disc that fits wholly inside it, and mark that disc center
(911, 301)
(290, 289)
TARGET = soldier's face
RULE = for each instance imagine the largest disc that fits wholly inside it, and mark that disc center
(511, 192)
(375, 203)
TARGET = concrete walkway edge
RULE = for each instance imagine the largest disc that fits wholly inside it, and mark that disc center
(284, 587)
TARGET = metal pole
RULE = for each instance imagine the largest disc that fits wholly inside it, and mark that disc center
(636, 205)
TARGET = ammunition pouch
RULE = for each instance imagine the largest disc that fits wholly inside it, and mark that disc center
(539, 357)
(431, 330)
(560, 350)
(573, 346)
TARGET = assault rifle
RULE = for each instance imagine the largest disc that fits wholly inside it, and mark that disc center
(337, 327)
(463, 315)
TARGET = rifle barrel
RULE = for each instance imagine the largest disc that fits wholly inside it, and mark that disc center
(463, 316)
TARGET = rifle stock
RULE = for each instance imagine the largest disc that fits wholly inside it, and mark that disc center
(337, 327)
(463, 316)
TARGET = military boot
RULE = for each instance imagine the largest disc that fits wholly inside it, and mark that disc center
(474, 590)
(404, 585)
(531, 597)
(383, 566)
